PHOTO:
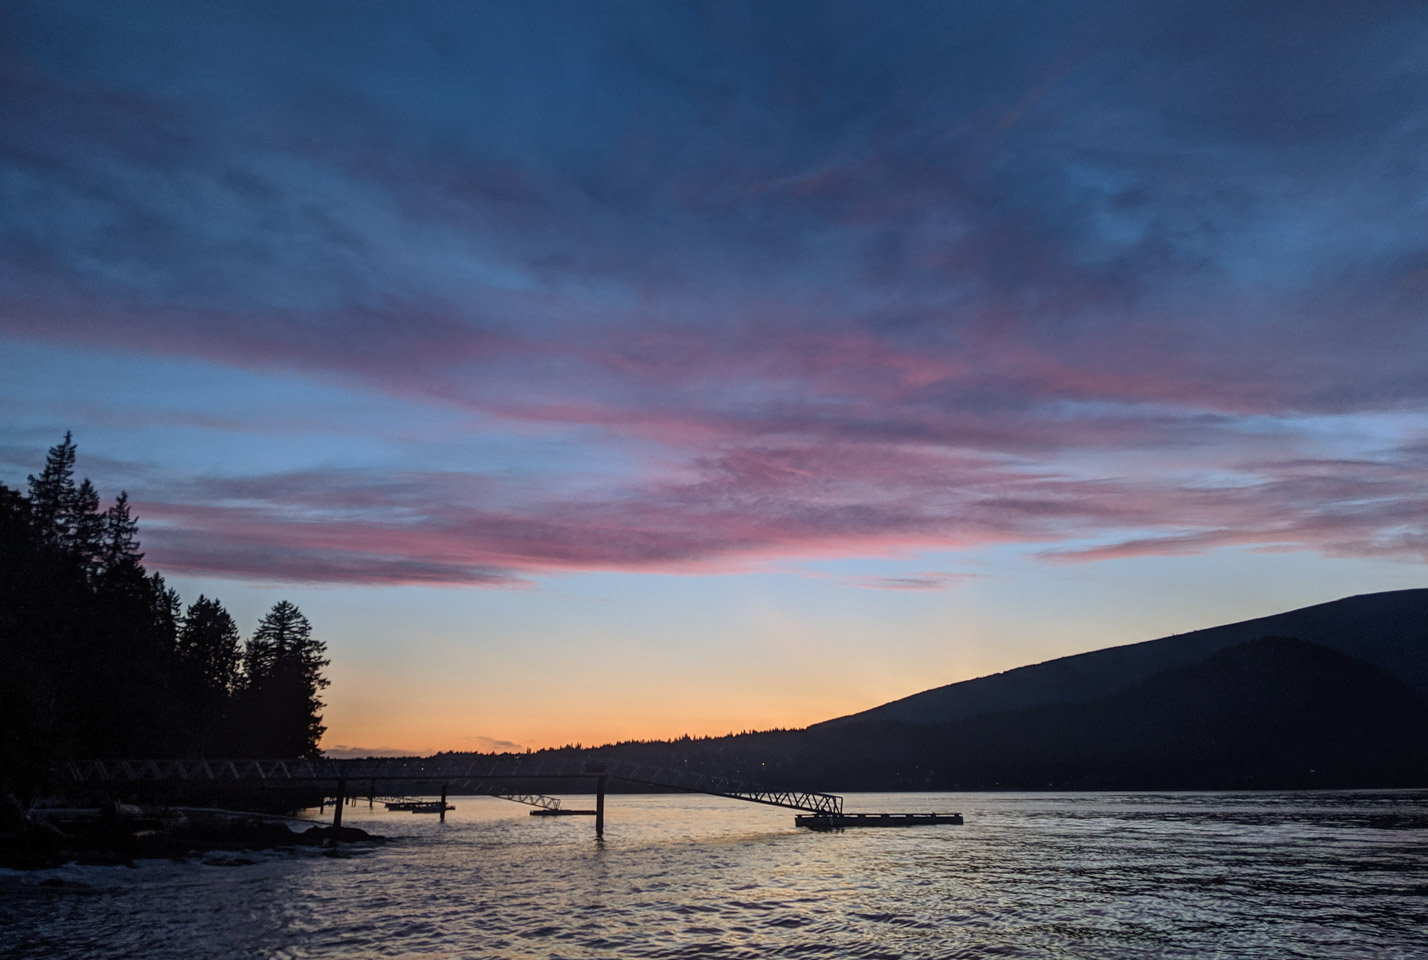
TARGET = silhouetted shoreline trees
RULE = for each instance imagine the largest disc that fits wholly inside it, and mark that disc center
(99, 657)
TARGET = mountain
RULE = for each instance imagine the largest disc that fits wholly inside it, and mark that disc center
(1272, 712)
(1333, 695)
(1386, 630)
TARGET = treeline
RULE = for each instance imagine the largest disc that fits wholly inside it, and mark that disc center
(100, 658)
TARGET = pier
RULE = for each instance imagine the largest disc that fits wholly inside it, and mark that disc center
(502, 777)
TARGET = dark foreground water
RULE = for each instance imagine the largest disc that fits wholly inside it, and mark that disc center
(1029, 875)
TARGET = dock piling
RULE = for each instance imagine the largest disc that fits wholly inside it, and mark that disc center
(337, 806)
(443, 803)
(600, 807)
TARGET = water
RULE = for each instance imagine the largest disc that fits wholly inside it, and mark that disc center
(1029, 875)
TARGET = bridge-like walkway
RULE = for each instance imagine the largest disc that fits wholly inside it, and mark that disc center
(462, 773)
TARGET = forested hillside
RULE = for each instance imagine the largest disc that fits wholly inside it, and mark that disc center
(1387, 630)
(1269, 712)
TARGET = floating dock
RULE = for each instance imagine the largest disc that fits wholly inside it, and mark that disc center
(837, 821)
(561, 812)
(420, 806)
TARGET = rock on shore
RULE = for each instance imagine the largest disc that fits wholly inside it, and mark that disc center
(119, 834)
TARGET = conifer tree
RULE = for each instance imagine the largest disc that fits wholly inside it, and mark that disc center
(282, 675)
(206, 669)
(84, 527)
(52, 492)
(207, 648)
(166, 609)
(259, 659)
(121, 535)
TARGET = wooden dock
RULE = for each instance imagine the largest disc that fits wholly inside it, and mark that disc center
(838, 821)
(420, 806)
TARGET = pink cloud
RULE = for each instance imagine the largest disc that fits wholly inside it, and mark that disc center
(749, 506)
(929, 581)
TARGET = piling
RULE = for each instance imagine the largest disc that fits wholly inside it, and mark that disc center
(443, 803)
(337, 807)
(600, 807)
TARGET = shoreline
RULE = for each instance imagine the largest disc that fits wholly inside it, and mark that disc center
(119, 834)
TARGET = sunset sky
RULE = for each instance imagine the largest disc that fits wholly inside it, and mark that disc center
(602, 370)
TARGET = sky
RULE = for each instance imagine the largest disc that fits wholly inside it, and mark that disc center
(592, 371)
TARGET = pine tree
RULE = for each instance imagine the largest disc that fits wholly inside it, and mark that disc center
(259, 659)
(206, 670)
(121, 535)
(84, 526)
(165, 609)
(52, 492)
(282, 677)
(207, 648)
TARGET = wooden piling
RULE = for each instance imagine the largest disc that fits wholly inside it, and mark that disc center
(600, 807)
(337, 807)
(443, 803)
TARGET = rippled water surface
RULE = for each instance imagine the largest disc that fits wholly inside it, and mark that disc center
(1029, 875)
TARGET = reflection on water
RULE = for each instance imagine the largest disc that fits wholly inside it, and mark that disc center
(1029, 875)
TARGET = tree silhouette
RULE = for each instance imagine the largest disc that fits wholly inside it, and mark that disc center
(206, 668)
(84, 527)
(121, 535)
(52, 492)
(282, 665)
(99, 658)
(207, 648)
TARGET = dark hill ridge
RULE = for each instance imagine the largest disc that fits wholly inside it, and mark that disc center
(1334, 695)
(1271, 712)
(1388, 630)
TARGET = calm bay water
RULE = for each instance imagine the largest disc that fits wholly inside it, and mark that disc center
(1029, 875)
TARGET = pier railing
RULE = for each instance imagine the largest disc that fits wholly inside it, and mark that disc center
(456, 771)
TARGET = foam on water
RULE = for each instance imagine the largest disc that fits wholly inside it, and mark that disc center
(1029, 875)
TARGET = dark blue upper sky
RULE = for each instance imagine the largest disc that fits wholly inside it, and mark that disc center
(471, 293)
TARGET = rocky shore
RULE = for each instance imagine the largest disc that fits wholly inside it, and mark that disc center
(120, 834)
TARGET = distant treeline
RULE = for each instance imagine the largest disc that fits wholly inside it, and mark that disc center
(99, 657)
